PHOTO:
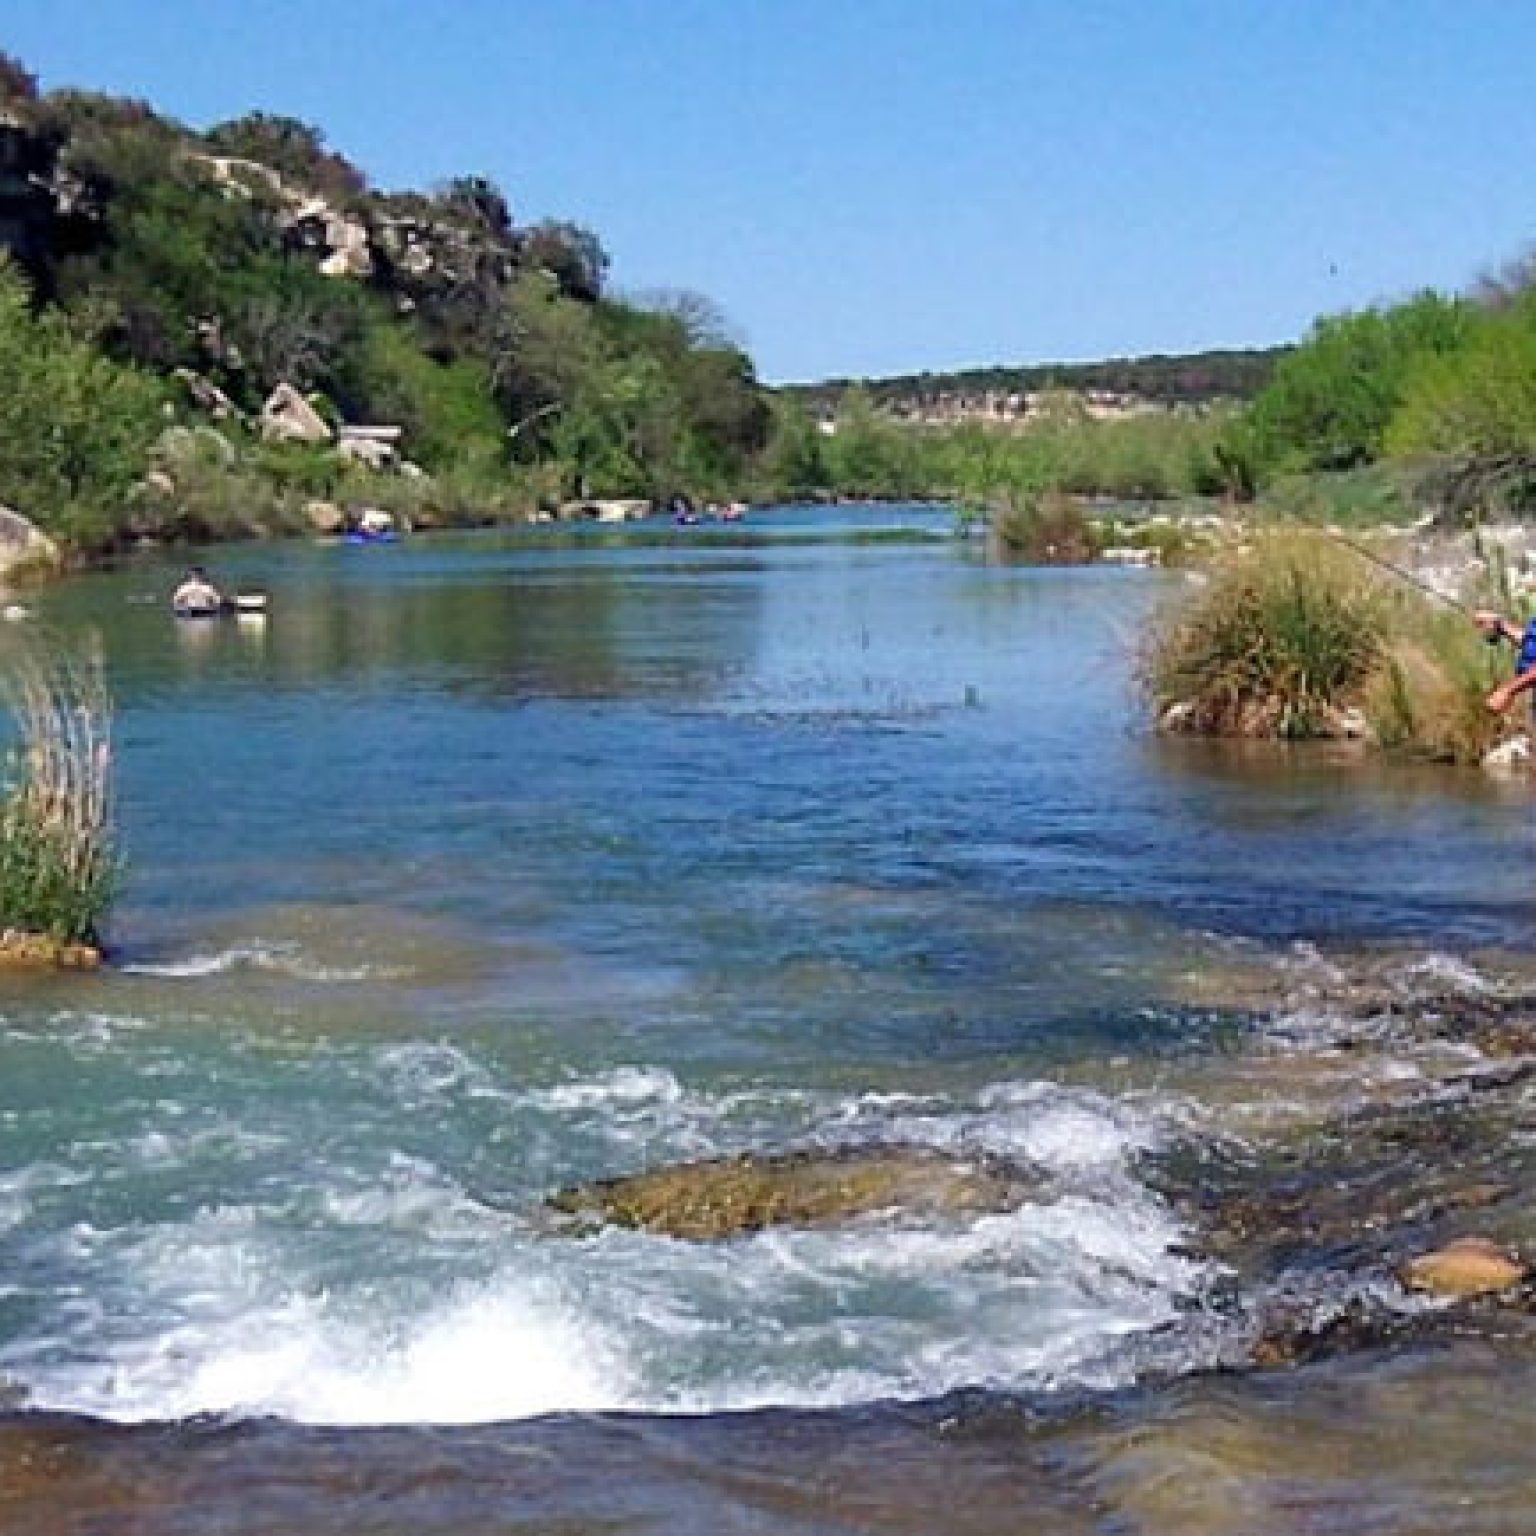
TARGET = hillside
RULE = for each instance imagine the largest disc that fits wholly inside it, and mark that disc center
(209, 268)
(1114, 386)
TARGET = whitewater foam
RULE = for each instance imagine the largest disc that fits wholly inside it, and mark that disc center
(284, 959)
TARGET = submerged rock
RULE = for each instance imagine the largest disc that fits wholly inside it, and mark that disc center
(727, 1197)
(1470, 1266)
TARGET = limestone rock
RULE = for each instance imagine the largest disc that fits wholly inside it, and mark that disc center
(325, 516)
(728, 1197)
(289, 417)
(1512, 756)
(1348, 723)
(20, 951)
(606, 510)
(1470, 1266)
(375, 520)
(24, 547)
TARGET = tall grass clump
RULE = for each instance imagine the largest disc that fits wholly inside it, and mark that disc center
(1427, 697)
(1282, 637)
(58, 854)
(1044, 529)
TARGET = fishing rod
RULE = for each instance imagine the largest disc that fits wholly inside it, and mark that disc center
(1495, 636)
(1398, 571)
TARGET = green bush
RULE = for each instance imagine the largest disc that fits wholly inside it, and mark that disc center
(75, 428)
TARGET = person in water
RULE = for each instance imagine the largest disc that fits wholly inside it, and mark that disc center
(196, 594)
(1496, 627)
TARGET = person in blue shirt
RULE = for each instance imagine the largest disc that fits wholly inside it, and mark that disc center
(1496, 627)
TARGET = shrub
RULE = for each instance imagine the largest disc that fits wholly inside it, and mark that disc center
(58, 859)
(1284, 634)
(1045, 530)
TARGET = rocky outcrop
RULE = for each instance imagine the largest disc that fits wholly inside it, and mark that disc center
(325, 517)
(375, 448)
(729, 1197)
(289, 418)
(341, 240)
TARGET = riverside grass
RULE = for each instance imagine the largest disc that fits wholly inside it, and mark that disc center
(1291, 634)
(58, 856)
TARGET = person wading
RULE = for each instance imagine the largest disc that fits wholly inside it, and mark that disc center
(1496, 627)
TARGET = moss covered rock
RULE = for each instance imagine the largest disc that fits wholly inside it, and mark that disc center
(726, 1197)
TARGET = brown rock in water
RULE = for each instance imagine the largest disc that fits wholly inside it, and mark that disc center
(727, 1197)
(1470, 1266)
(42, 952)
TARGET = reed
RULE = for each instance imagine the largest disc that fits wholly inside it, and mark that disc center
(58, 854)
(1427, 698)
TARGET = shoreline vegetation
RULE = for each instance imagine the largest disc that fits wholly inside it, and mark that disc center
(58, 853)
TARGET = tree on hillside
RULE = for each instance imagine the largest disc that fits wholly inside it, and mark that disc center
(295, 150)
(573, 256)
(478, 202)
(75, 428)
(1330, 401)
(1480, 400)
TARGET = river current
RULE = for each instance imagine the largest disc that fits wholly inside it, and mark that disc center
(487, 865)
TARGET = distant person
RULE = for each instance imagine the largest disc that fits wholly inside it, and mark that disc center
(1496, 627)
(197, 596)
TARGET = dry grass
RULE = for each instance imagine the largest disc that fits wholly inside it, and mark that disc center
(1427, 696)
(1282, 635)
(1046, 529)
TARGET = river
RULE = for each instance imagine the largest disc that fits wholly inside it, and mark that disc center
(489, 864)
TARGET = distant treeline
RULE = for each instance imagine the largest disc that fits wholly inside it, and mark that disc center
(1197, 378)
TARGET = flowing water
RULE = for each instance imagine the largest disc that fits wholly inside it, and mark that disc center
(489, 865)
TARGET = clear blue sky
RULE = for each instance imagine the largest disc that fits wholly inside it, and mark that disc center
(878, 186)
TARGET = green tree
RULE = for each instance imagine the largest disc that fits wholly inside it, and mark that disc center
(573, 256)
(75, 427)
(1481, 399)
(446, 408)
(1330, 401)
